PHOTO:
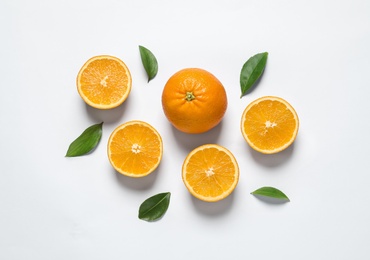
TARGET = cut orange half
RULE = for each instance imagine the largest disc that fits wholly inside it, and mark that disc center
(210, 172)
(104, 82)
(269, 124)
(135, 149)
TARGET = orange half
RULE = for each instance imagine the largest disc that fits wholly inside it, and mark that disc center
(104, 82)
(135, 149)
(210, 172)
(269, 124)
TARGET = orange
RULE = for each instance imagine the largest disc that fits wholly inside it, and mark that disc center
(104, 82)
(210, 172)
(269, 124)
(194, 100)
(135, 149)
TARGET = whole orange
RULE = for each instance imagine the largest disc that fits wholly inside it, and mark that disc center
(194, 100)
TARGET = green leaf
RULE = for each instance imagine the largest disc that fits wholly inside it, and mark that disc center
(149, 62)
(154, 207)
(252, 71)
(270, 192)
(87, 141)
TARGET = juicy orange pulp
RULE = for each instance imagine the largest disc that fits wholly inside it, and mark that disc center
(269, 124)
(210, 172)
(104, 82)
(135, 149)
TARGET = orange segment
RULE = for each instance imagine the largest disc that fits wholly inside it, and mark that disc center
(210, 172)
(135, 149)
(104, 82)
(269, 124)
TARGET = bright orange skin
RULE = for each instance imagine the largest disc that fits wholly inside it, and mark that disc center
(194, 100)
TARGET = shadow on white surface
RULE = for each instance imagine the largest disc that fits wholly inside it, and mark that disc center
(188, 142)
(109, 116)
(272, 160)
(213, 209)
(143, 183)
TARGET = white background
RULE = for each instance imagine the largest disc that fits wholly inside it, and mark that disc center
(52, 207)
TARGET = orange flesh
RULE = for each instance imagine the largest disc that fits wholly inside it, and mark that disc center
(104, 81)
(270, 125)
(135, 150)
(210, 173)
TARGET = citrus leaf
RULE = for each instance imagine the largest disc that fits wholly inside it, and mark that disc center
(270, 192)
(87, 141)
(149, 62)
(154, 207)
(252, 71)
